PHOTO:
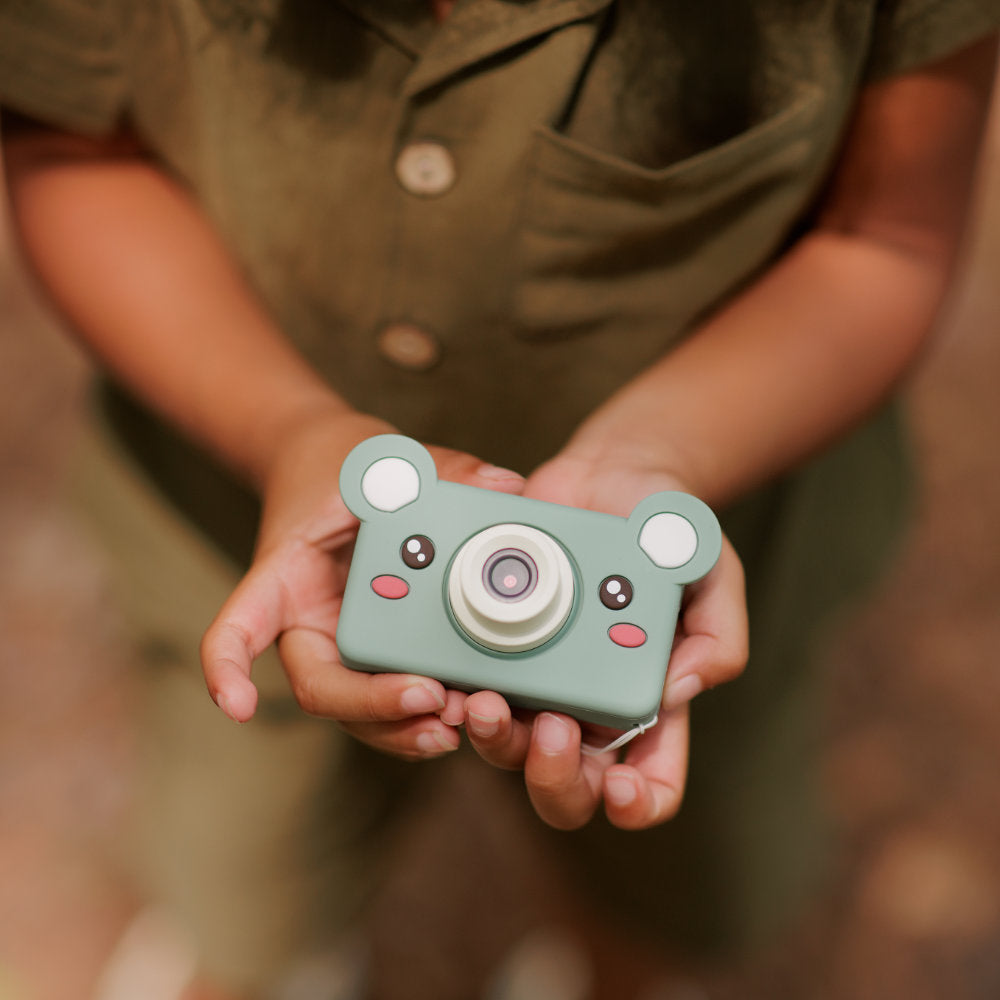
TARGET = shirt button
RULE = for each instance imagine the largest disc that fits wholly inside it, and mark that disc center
(408, 346)
(426, 168)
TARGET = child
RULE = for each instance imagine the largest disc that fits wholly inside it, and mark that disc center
(616, 247)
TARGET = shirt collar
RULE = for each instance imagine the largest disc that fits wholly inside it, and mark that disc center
(473, 31)
(407, 24)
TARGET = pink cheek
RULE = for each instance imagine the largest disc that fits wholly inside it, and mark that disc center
(390, 587)
(629, 636)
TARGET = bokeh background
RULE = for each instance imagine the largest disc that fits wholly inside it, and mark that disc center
(912, 737)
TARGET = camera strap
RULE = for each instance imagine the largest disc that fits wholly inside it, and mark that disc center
(622, 740)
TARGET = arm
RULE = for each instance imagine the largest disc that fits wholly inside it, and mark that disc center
(792, 363)
(823, 338)
(143, 279)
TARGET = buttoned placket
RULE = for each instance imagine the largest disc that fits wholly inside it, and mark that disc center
(441, 160)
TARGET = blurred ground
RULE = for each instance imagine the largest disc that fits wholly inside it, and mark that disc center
(913, 736)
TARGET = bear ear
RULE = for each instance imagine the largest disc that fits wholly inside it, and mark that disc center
(678, 533)
(385, 474)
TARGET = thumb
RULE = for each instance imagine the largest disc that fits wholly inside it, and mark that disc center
(247, 624)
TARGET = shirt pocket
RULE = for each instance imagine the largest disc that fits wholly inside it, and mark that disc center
(601, 240)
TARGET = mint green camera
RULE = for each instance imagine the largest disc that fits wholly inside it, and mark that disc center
(551, 606)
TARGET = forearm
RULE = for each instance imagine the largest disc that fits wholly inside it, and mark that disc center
(820, 340)
(794, 362)
(141, 276)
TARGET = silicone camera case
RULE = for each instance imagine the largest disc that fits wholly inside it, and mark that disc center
(551, 606)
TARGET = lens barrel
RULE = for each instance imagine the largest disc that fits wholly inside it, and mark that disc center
(511, 587)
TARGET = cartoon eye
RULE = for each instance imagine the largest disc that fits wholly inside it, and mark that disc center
(616, 592)
(417, 551)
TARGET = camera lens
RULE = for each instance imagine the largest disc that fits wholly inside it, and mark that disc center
(510, 575)
(511, 588)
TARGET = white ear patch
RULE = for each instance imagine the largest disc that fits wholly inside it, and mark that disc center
(390, 483)
(669, 540)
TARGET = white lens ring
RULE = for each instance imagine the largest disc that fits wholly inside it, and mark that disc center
(504, 625)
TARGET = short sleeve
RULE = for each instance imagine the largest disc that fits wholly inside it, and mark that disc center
(60, 62)
(913, 33)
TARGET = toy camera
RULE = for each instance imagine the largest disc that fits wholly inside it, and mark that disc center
(551, 606)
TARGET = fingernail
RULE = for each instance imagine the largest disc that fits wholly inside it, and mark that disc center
(620, 791)
(433, 743)
(418, 699)
(452, 716)
(681, 691)
(223, 702)
(497, 473)
(552, 734)
(484, 726)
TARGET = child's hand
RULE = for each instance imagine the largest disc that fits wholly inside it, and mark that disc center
(293, 592)
(710, 647)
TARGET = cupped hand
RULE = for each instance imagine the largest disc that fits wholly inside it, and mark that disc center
(566, 785)
(293, 592)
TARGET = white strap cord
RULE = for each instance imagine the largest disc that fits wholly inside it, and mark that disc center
(622, 740)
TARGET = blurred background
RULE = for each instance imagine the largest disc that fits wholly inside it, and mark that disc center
(913, 734)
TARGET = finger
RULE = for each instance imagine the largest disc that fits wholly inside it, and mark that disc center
(461, 467)
(247, 624)
(423, 738)
(499, 738)
(453, 713)
(563, 786)
(324, 687)
(226, 656)
(648, 788)
(713, 642)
